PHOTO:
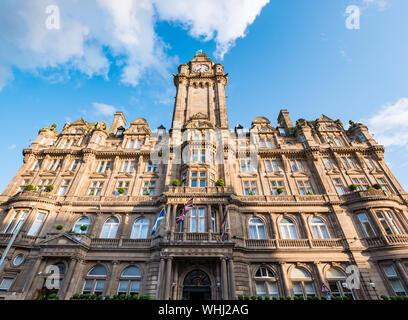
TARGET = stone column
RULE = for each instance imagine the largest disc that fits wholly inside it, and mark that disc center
(305, 226)
(285, 280)
(320, 276)
(167, 288)
(67, 279)
(231, 279)
(224, 279)
(161, 281)
(209, 220)
(111, 279)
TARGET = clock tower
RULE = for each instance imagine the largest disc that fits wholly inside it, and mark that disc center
(200, 93)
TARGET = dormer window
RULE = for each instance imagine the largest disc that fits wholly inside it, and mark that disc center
(161, 131)
(239, 130)
(302, 137)
(119, 132)
(362, 138)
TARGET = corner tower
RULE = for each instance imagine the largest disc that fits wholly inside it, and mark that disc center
(200, 92)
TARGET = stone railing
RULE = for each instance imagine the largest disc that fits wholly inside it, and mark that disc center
(281, 198)
(387, 240)
(104, 243)
(368, 195)
(136, 243)
(293, 243)
(197, 236)
(206, 190)
(5, 237)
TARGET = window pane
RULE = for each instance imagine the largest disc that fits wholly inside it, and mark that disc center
(260, 288)
(87, 286)
(123, 286)
(100, 284)
(134, 287)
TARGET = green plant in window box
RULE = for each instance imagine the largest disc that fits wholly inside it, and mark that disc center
(385, 297)
(115, 297)
(93, 297)
(246, 297)
(176, 183)
(240, 297)
(59, 227)
(279, 191)
(107, 297)
(309, 193)
(83, 227)
(85, 296)
(268, 298)
(121, 191)
(220, 183)
(129, 297)
(146, 193)
(323, 298)
(377, 186)
(259, 298)
(70, 231)
(369, 188)
(122, 296)
(288, 298)
(251, 193)
(353, 187)
(253, 297)
(136, 297)
(30, 187)
(49, 188)
(92, 193)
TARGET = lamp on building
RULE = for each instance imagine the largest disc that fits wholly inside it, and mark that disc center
(161, 131)
(344, 285)
(119, 132)
(239, 129)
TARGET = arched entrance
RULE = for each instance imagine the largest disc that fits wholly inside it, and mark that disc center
(197, 286)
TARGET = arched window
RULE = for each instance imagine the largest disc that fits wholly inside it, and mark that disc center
(266, 283)
(81, 226)
(288, 229)
(129, 282)
(256, 229)
(319, 229)
(110, 228)
(337, 283)
(140, 229)
(95, 280)
(302, 283)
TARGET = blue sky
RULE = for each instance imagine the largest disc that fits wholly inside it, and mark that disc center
(296, 54)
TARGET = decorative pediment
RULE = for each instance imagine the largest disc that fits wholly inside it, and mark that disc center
(199, 121)
(139, 126)
(64, 240)
(52, 129)
(262, 124)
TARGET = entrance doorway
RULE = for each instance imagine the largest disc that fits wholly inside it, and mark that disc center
(197, 286)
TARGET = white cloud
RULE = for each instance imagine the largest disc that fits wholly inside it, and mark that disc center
(224, 21)
(12, 147)
(125, 29)
(380, 4)
(390, 124)
(103, 109)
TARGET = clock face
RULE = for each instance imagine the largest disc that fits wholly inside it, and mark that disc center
(201, 68)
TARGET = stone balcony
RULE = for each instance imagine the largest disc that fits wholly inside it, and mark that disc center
(369, 195)
(294, 243)
(386, 240)
(199, 191)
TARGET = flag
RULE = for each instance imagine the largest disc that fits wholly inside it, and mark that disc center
(159, 218)
(224, 222)
(187, 207)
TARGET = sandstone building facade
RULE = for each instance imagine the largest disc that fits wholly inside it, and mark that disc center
(292, 220)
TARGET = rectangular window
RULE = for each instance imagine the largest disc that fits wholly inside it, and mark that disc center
(296, 165)
(245, 165)
(388, 222)
(36, 224)
(362, 137)
(361, 183)
(148, 188)
(394, 280)
(198, 179)
(64, 187)
(250, 188)
(75, 165)
(122, 188)
(128, 166)
(213, 221)
(37, 165)
(302, 137)
(338, 142)
(383, 183)
(339, 186)
(197, 220)
(369, 163)
(277, 186)
(104, 166)
(6, 284)
(152, 167)
(304, 187)
(365, 223)
(327, 163)
(96, 188)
